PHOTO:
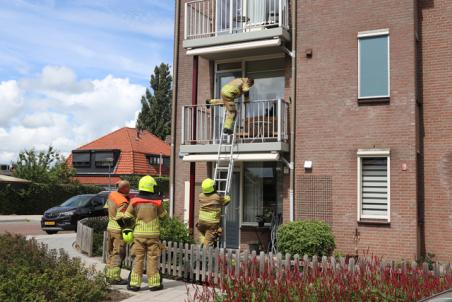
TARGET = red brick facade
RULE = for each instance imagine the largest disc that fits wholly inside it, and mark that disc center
(436, 80)
(331, 125)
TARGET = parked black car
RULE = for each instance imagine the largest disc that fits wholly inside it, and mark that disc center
(65, 216)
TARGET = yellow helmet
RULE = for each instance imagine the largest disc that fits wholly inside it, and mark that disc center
(147, 184)
(208, 186)
(127, 235)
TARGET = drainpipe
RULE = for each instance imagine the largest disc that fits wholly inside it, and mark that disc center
(194, 102)
(293, 110)
(174, 108)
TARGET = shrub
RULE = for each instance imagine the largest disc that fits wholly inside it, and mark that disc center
(163, 183)
(306, 238)
(368, 282)
(30, 272)
(172, 229)
(34, 199)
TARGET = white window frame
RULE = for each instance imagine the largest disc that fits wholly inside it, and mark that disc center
(373, 153)
(374, 33)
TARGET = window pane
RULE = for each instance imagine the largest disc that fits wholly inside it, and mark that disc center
(268, 78)
(374, 67)
(374, 182)
(81, 157)
(261, 190)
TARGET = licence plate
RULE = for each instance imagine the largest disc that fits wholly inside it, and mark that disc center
(49, 222)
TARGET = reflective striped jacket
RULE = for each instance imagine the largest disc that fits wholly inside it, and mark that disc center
(210, 207)
(235, 88)
(117, 204)
(147, 211)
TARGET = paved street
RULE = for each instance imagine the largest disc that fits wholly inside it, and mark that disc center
(25, 225)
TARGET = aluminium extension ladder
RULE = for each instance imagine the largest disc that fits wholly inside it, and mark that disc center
(224, 168)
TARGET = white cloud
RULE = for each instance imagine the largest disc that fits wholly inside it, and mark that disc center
(56, 78)
(59, 110)
(10, 101)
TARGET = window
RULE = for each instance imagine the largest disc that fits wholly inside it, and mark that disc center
(374, 184)
(262, 192)
(268, 78)
(373, 64)
(154, 160)
(104, 159)
(81, 159)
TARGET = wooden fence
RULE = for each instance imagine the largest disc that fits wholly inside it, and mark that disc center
(196, 264)
(84, 239)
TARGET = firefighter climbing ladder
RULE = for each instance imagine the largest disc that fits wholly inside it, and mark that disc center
(224, 168)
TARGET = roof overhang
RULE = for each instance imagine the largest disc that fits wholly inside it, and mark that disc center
(245, 48)
(237, 157)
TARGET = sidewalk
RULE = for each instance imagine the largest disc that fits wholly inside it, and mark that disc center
(19, 218)
(173, 290)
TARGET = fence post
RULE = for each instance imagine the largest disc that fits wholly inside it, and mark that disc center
(351, 265)
(105, 247)
(237, 263)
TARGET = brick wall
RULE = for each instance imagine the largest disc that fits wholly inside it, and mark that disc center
(436, 47)
(331, 126)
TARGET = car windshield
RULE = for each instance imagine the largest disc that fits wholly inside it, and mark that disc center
(77, 201)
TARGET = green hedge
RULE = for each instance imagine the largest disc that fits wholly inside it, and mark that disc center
(34, 199)
(306, 238)
(163, 183)
(30, 272)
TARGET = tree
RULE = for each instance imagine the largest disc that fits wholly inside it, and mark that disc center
(43, 167)
(155, 115)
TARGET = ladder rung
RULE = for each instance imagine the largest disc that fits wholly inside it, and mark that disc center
(222, 168)
(221, 179)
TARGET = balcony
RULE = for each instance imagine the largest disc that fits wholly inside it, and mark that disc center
(217, 26)
(262, 127)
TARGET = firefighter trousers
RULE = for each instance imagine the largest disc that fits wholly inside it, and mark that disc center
(152, 249)
(231, 110)
(209, 233)
(116, 254)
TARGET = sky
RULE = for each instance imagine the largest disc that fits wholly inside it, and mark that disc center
(74, 70)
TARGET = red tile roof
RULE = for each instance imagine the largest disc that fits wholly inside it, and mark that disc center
(128, 139)
(134, 148)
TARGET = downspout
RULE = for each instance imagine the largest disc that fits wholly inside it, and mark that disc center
(174, 108)
(194, 102)
(293, 110)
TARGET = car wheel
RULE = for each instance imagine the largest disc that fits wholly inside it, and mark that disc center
(51, 232)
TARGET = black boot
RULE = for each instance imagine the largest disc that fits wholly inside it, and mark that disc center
(228, 131)
(158, 287)
(207, 102)
(133, 288)
(119, 282)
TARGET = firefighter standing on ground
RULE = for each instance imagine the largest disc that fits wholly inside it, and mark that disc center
(117, 204)
(146, 209)
(229, 93)
(210, 203)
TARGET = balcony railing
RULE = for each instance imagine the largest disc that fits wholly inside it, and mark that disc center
(258, 122)
(209, 18)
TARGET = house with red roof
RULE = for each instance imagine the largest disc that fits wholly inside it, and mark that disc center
(125, 151)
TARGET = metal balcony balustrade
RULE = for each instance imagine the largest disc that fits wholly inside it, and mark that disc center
(258, 122)
(212, 18)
